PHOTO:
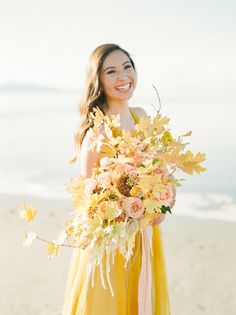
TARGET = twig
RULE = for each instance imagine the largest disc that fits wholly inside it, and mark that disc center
(159, 100)
(41, 239)
(171, 172)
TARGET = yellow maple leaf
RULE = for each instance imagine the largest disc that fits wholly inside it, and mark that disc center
(190, 163)
(28, 213)
(53, 250)
(107, 150)
(144, 123)
(77, 189)
(159, 122)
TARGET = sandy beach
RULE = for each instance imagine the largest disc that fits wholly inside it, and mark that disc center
(200, 261)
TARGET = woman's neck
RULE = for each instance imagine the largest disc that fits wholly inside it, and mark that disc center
(118, 108)
(126, 118)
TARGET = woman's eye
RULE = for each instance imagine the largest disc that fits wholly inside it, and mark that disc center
(112, 71)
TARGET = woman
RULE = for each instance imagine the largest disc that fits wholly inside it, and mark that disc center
(110, 82)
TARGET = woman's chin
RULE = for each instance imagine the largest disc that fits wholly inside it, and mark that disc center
(126, 96)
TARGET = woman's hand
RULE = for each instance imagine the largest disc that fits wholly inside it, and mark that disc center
(161, 216)
(159, 219)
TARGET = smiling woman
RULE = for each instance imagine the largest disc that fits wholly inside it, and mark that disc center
(118, 79)
(110, 83)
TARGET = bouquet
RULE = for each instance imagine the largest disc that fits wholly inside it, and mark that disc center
(129, 187)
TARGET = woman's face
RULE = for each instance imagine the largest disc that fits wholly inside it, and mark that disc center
(118, 77)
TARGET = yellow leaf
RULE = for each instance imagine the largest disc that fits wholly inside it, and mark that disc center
(159, 122)
(191, 163)
(116, 132)
(144, 123)
(53, 250)
(189, 133)
(28, 213)
(97, 116)
(107, 150)
(77, 189)
(166, 138)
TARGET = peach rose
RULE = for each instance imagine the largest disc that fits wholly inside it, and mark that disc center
(130, 170)
(165, 196)
(133, 206)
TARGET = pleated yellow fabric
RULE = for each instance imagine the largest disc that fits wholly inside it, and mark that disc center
(99, 301)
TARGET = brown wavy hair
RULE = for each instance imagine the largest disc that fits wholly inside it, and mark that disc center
(93, 95)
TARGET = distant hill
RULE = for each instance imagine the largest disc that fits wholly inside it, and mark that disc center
(16, 87)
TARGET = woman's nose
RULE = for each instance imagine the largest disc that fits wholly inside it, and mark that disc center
(122, 75)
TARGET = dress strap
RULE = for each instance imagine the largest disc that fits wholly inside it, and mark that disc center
(135, 116)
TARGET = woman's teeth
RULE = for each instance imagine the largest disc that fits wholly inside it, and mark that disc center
(124, 87)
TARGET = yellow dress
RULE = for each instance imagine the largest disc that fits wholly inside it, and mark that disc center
(99, 301)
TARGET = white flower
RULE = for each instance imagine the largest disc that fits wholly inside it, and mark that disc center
(104, 161)
(29, 237)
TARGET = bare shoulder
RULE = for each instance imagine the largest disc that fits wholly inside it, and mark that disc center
(140, 111)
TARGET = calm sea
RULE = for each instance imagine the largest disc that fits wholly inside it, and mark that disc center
(36, 142)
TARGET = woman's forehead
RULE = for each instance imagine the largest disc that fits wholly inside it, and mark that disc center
(115, 58)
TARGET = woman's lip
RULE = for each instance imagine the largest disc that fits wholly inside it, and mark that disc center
(124, 85)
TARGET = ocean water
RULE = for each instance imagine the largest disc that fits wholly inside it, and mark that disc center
(36, 142)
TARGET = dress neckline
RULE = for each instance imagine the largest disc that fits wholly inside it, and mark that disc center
(135, 116)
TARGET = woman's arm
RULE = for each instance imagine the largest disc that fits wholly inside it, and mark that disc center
(88, 157)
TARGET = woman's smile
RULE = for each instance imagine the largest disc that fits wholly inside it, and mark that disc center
(124, 88)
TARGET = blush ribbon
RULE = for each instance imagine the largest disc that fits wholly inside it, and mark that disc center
(145, 277)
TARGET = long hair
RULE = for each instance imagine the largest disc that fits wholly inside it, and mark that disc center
(93, 95)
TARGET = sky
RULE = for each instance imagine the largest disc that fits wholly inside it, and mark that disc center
(185, 47)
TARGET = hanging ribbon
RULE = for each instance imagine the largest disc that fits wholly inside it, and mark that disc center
(145, 278)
